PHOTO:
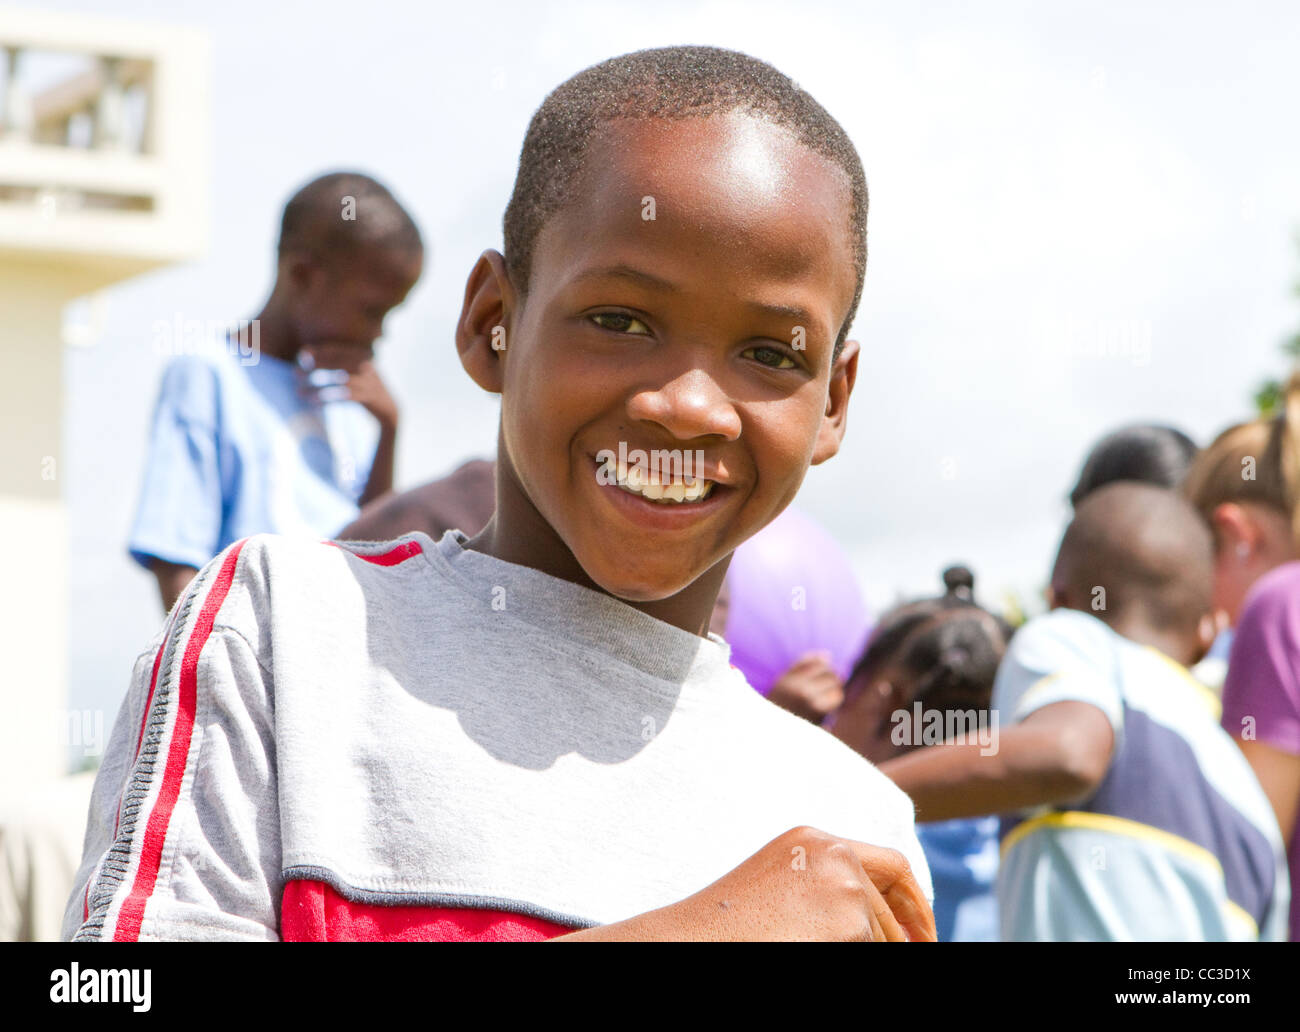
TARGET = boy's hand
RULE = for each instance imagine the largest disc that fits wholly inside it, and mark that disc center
(810, 688)
(361, 384)
(804, 885)
(807, 884)
(366, 387)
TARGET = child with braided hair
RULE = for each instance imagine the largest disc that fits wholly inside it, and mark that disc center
(929, 663)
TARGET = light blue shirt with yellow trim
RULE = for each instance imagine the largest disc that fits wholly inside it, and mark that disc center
(1178, 843)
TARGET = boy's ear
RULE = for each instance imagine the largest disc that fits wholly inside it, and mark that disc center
(835, 420)
(482, 334)
(298, 270)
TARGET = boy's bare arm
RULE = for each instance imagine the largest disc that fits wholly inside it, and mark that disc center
(1058, 754)
(172, 580)
(367, 388)
(804, 885)
(381, 470)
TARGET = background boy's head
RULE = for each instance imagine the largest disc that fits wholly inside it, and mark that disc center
(684, 254)
(348, 254)
(1139, 558)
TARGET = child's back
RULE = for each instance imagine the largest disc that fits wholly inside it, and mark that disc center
(1178, 841)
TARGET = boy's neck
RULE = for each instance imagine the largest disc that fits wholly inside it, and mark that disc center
(1171, 644)
(276, 335)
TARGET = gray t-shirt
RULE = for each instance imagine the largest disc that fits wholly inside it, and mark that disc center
(416, 724)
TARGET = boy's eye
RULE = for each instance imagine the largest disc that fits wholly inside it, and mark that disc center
(781, 356)
(619, 322)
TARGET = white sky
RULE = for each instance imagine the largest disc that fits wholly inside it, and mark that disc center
(1081, 216)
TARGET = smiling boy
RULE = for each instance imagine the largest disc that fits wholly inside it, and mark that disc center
(532, 732)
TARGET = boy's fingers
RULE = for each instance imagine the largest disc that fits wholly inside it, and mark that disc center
(892, 876)
(884, 925)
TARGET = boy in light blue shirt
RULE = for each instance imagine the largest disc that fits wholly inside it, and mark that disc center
(242, 441)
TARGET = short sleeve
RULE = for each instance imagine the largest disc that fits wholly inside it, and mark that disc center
(179, 514)
(1261, 694)
(183, 834)
(1064, 656)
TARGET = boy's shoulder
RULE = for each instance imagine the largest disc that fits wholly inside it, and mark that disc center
(1057, 642)
(192, 383)
(1066, 629)
(267, 579)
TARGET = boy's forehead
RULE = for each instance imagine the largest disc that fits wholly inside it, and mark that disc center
(732, 165)
(745, 185)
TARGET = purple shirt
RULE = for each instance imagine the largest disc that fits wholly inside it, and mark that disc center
(1263, 684)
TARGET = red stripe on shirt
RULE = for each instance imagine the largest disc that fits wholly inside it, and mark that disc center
(399, 554)
(312, 911)
(146, 876)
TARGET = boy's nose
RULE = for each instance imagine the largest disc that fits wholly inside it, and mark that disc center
(688, 406)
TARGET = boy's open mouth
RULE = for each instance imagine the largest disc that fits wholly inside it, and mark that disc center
(662, 493)
(661, 487)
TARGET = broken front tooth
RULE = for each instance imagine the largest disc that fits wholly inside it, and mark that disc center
(654, 491)
(676, 491)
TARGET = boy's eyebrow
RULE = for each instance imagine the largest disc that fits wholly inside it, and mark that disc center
(626, 272)
(801, 315)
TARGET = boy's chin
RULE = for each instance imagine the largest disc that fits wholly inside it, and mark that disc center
(646, 585)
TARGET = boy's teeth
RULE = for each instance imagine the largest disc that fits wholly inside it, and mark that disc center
(634, 478)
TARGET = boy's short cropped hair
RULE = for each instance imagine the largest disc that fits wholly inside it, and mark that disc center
(340, 211)
(673, 83)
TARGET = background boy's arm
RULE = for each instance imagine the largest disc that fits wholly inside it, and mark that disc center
(173, 578)
(837, 890)
(366, 387)
(1057, 754)
(178, 518)
(380, 481)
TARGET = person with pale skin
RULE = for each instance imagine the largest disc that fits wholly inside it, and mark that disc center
(1247, 487)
